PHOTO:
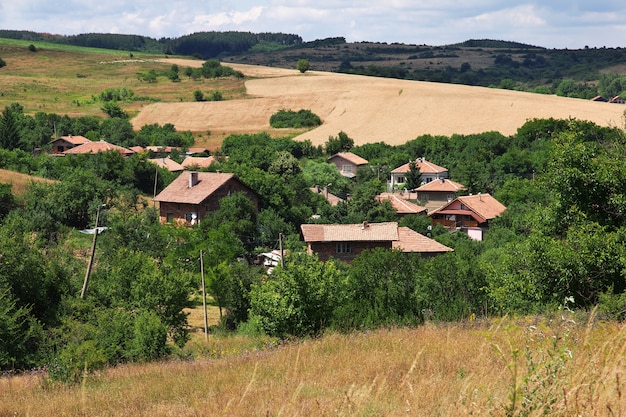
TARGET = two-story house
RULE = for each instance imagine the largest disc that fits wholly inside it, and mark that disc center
(428, 172)
(192, 195)
(64, 143)
(470, 214)
(435, 194)
(347, 163)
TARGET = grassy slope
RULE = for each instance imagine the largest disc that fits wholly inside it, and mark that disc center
(497, 369)
(64, 80)
(19, 181)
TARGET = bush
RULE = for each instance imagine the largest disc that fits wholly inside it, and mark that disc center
(303, 65)
(2, 63)
(150, 337)
(288, 118)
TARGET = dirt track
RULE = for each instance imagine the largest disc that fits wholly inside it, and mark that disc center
(372, 109)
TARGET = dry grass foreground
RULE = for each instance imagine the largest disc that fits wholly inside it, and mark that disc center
(371, 109)
(504, 368)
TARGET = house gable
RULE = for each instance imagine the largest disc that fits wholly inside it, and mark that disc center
(192, 195)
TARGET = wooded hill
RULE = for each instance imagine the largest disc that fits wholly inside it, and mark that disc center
(502, 64)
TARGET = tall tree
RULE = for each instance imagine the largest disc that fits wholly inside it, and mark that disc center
(9, 126)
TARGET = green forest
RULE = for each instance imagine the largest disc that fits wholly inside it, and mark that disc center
(561, 241)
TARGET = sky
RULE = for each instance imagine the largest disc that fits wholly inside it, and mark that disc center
(556, 24)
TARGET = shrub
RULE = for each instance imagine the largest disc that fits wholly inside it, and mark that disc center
(303, 65)
(289, 118)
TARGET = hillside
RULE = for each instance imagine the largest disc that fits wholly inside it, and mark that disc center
(371, 109)
(19, 181)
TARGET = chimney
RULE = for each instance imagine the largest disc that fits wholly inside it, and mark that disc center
(442, 180)
(364, 225)
(193, 179)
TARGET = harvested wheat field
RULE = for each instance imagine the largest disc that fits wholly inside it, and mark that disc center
(371, 109)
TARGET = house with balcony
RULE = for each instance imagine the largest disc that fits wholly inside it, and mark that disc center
(469, 214)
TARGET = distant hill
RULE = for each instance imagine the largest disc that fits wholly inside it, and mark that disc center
(478, 62)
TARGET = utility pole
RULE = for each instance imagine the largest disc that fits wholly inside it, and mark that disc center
(282, 254)
(206, 319)
(83, 293)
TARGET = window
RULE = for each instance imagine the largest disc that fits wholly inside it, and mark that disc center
(346, 168)
(463, 206)
(450, 197)
(169, 217)
(344, 247)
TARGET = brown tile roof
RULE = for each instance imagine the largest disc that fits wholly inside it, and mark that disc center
(200, 162)
(401, 205)
(411, 241)
(349, 156)
(137, 149)
(424, 166)
(401, 238)
(443, 185)
(95, 147)
(179, 191)
(483, 205)
(168, 164)
(361, 232)
(74, 140)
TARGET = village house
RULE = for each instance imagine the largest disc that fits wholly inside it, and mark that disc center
(428, 172)
(64, 143)
(347, 163)
(192, 195)
(436, 194)
(97, 147)
(346, 241)
(470, 214)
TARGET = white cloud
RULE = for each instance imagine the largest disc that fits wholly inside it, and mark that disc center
(554, 23)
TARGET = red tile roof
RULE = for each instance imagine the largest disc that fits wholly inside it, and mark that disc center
(95, 147)
(350, 157)
(443, 185)
(424, 166)
(411, 241)
(401, 205)
(179, 191)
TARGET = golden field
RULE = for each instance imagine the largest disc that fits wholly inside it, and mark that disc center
(500, 368)
(371, 109)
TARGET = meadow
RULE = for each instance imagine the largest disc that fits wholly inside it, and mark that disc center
(565, 365)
